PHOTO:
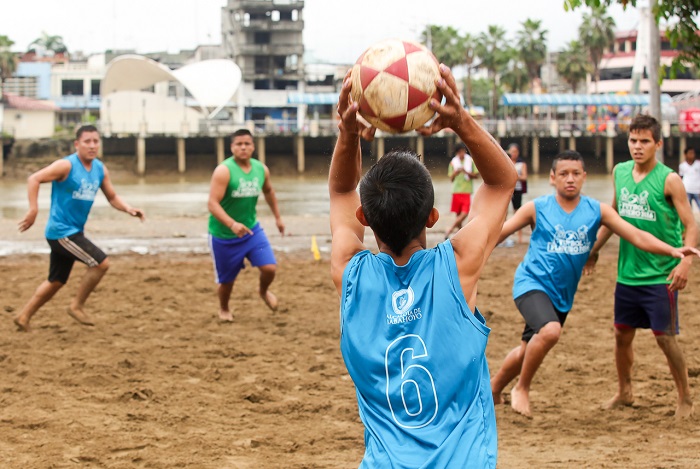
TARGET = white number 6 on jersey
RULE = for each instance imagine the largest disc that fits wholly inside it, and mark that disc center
(410, 389)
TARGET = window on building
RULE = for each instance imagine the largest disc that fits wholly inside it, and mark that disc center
(261, 37)
(634, 45)
(246, 19)
(261, 84)
(275, 15)
(95, 87)
(72, 87)
(292, 62)
(295, 15)
(261, 64)
(616, 73)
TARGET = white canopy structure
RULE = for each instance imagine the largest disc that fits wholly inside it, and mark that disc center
(212, 84)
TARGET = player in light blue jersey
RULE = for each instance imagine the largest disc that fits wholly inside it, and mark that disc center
(411, 338)
(75, 181)
(564, 227)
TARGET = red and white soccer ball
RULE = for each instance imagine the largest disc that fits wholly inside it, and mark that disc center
(393, 81)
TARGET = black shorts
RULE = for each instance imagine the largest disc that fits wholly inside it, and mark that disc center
(652, 307)
(537, 310)
(65, 251)
(517, 200)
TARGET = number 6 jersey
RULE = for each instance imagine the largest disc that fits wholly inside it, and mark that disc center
(415, 352)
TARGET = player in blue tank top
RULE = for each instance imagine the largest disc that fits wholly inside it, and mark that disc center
(75, 181)
(412, 341)
(564, 227)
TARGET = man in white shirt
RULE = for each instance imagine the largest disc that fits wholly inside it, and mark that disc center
(689, 170)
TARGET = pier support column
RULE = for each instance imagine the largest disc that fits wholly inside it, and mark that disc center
(596, 146)
(260, 149)
(682, 144)
(181, 160)
(141, 155)
(535, 155)
(572, 143)
(219, 150)
(609, 156)
(380, 147)
(2, 159)
(524, 144)
(300, 153)
(562, 145)
(420, 148)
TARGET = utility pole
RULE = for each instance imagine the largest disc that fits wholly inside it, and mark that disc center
(653, 68)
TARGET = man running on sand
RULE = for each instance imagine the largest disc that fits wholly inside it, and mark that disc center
(234, 231)
(75, 180)
(564, 227)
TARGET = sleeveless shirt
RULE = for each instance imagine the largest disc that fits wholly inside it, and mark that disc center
(644, 205)
(241, 197)
(72, 198)
(415, 353)
(559, 248)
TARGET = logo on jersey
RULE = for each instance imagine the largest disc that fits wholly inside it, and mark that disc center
(87, 190)
(402, 304)
(246, 188)
(570, 241)
(635, 205)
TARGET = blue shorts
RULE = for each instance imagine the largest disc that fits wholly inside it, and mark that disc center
(652, 307)
(228, 254)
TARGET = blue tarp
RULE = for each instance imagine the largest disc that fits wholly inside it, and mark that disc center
(522, 99)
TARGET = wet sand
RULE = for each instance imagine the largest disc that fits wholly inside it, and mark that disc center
(160, 383)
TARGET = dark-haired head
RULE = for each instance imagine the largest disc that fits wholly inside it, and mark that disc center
(85, 128)
(397, 197)
(646, 122)
(240, 133)
(569, 155)
(460, 147)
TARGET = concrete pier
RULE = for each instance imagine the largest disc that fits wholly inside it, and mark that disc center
(181, 156)
(220, 155)
(301, 157)
(260, 149)
(141, 156)
(535, 154)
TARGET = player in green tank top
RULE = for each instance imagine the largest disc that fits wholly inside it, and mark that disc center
(652, 197)
(234, 232)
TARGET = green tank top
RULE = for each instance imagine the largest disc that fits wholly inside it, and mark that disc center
(644, 205)
(241, 197)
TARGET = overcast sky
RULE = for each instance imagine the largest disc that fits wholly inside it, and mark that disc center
(335, 31)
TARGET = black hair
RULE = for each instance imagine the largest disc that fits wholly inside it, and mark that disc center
(514, 145)
(685, 152)
(569, 155)
(85, 128)
(240, 133)
(646, 122)
(397, 196)
(461, 146)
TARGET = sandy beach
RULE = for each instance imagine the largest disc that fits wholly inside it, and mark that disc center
(160, 383)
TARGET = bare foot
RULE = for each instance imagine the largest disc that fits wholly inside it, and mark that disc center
(80, 316)
(520, 401)
(270, 300)
(22, 325)
(498, 399)
(225, 316)
(685, 409)
(619, 400)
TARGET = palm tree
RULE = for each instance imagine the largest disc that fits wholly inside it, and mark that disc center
(492, 49)
(515, 77)
(51, 43)
(573, 64)
(8, 62)
(532, 46)
(444, 43)
(597, 32)
(468, 43)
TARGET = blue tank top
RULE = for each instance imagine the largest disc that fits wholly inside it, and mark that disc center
(415, 353)
(559, 249)
(72, 198)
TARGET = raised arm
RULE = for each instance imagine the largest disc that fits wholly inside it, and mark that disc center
(271, 199)
(116, 201)
(56, 171)
(475, 241)
(344, 176)
(604, 234)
